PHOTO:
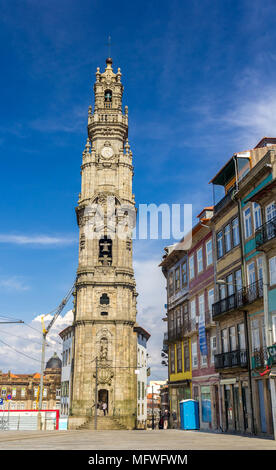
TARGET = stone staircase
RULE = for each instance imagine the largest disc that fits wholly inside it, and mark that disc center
(104, 423)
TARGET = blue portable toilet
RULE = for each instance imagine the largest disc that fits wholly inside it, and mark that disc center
(189, 414)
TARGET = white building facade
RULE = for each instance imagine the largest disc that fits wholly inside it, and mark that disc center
(66, 372)
(142, 376)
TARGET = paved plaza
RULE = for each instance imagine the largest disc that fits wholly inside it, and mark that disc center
(129, 440)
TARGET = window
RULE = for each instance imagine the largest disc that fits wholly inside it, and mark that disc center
(4, 392)
(230, 285)
(260, 268)
(193, 313)
(191, 267)
(241, 336)
(209, 253)
(45, 392)
(171, 283)
(274, 328)
(213, 348)
(23, 392)
(272, 270)
(232, 337)
(235, 232)
(219, 245)
(13, 392)
(224, 340)
(179, 357)
(104, 300)
(210, 299)
(194, 355)
(222, 292)
(247, 223)
(178, 320)
(35, 391)
(270, 212)
(201, 308)
(184, 274)
(199, 261)
(227, 238)
(187, 357)
(238, 280)
(177, 279)
(104, 314)
(172, 359)
(108, 96)
(251, 273)
(255, 335)
(203, 359)
(257, 215)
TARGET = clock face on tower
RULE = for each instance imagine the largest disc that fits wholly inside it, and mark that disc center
(107, 152)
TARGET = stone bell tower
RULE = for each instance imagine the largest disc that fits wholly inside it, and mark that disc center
(105, 303)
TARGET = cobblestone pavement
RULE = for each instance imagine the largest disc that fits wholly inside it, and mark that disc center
(130, 440)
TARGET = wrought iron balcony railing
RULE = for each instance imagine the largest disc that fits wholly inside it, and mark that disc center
(266, 232)
(239, 299)
(259, 358)
(238, 358)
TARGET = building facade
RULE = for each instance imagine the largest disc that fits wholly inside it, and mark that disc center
(177, 340)
(105, 342)
(24, 388)
(67, 336)
(239, 294)
(142, 376)
(205, 380)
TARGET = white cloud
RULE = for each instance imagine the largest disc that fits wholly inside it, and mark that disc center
(35, 240)
(20, 345)
(13, 283)
(150, 307)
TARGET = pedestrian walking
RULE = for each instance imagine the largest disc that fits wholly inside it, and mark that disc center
(104, 407)
(166, 419)
(174, 417)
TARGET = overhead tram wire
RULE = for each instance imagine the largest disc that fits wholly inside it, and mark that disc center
(19, 352)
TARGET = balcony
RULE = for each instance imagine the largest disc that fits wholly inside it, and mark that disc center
(175, 335)
(265, 233)
(223, 201)
(239, 299)
(260, 358)
(231, 359)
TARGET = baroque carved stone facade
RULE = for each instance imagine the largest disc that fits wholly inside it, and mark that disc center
(105, 311)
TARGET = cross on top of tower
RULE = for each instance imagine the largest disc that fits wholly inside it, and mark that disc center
(109, 60)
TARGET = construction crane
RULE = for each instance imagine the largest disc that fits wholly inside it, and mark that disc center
(45, 331)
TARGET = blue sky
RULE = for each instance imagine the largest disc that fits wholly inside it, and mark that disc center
(199, 80)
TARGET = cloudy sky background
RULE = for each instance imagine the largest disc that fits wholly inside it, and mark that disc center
(199, 78)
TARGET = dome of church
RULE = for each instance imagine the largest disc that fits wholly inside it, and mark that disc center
(54, 362)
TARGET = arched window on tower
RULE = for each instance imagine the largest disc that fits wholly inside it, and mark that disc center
(107, 98)
(104, 300)
(105, 251)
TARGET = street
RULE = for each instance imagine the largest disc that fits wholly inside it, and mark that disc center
(129, 440)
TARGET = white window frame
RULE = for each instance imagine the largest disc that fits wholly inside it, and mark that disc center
(199, 260)
(194, 355)
(235, 232)
(209, 253)
(191, 266)
(247, 220)
(274, 327)
(227, 238)
(213, 296)
(270, 208)
(201, 307)
(257, 215)
(272, 273)
(213, 348)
